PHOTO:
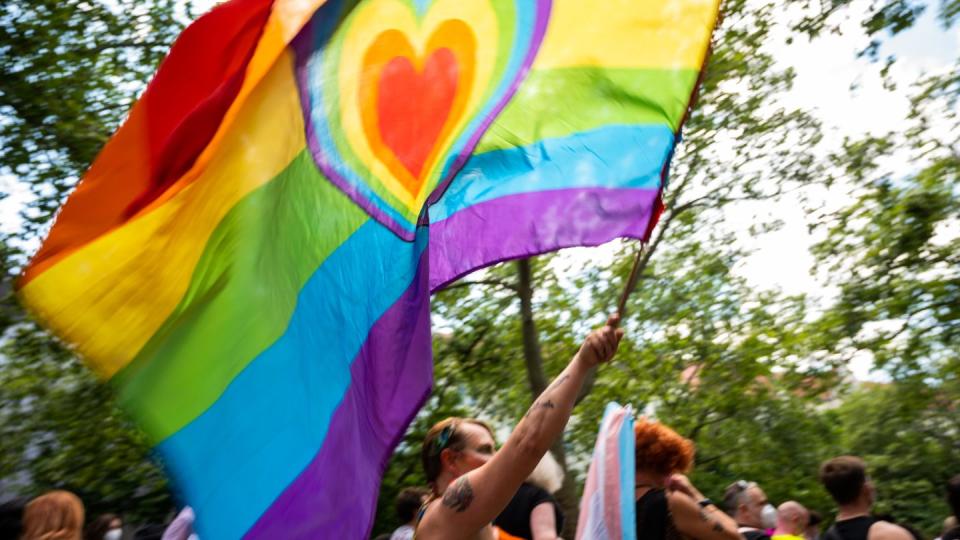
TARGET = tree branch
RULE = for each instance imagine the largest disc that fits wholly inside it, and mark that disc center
(490, 282)
(703, 422)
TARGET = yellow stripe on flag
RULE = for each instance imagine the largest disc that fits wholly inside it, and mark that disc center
(627, 34)
(109, 297)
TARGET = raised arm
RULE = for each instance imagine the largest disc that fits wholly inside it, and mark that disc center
(473, 500)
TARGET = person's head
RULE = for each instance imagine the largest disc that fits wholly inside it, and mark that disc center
(455, 446)
(408, 501)
(949, 524)
(953, 495)
(660, 451)
(105, 527)
(11, 518)
(747, 504)
(548, 474)
(813, 525)
(792, 518)
(845, 478)
(57, 515)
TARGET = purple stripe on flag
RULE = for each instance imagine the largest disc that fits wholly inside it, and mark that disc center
(336, 495)
(532, 223)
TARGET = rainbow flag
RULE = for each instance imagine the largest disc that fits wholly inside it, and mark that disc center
(607, 507)
(249, 260)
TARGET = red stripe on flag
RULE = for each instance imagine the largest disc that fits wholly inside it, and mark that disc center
(167, 129)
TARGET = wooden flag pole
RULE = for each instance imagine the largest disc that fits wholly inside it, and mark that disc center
(631, 281)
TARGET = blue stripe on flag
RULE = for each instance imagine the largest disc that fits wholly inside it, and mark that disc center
(627, 461)
(611, 157)
(240, 454)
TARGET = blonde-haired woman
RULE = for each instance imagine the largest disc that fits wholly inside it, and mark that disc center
(57, 515)
(533, 513)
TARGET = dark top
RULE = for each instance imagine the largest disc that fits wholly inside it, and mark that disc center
(515, 518)
(654, 520)
(952, 534)
(850, 529)
(754, 534)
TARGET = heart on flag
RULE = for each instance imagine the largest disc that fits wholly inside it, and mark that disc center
(396, 94)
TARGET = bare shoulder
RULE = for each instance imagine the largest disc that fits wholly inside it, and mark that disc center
(884, 530)
(428, 522)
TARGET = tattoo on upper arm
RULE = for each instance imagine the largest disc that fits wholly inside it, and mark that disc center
(459, 495)
(717, 527)
(703, 516)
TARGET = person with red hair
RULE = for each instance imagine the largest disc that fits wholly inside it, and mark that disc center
(57, 515)
(668, 505)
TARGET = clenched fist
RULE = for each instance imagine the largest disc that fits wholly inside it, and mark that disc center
(601, 344)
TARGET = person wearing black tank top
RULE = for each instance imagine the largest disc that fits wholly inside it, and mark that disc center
(846, 479)
(668, 505)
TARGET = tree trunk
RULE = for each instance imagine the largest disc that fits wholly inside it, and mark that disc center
(533, 359)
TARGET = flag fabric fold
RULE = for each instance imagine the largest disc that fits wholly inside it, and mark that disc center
(249, 260)
(607, 507)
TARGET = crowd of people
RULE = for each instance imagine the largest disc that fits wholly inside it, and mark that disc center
(60, 515)
(477, 491)
(669, 506)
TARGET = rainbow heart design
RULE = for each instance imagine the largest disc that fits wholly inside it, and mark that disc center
(398, 93)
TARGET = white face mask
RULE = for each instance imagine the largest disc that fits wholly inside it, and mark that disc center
(768, 516)
(113, 534)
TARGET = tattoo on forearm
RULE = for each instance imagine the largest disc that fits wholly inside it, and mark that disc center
(540, 405)
(545, 402)
(459, 495)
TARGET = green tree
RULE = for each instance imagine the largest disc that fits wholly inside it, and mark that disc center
(889, 17)
(69, 71)
(894, 256)
(60, 428)
(909, 435)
